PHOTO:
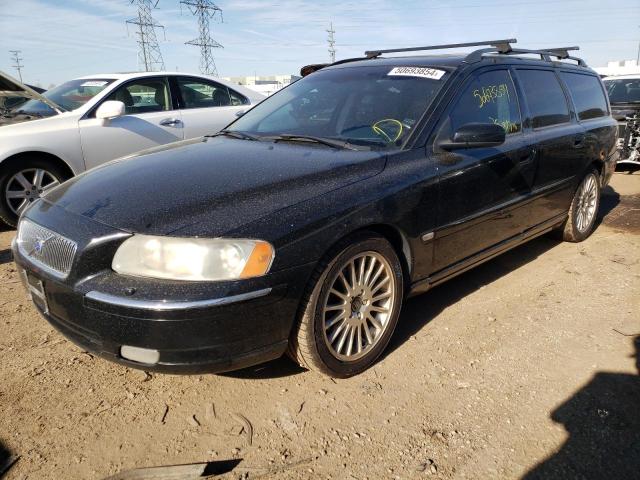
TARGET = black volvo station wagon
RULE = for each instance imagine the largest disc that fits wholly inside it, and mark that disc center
(303, 225)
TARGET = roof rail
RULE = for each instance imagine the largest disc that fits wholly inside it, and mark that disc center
(561, 53)
(501, 46)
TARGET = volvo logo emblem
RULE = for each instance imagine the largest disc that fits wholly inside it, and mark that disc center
(38, 245)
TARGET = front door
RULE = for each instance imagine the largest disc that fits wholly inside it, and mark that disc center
(481, 190)
(149, 121)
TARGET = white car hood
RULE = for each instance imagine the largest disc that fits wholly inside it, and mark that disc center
(10, 87)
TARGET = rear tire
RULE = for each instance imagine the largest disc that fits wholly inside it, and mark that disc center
(583, 210)
(24, 181)
(351, 307)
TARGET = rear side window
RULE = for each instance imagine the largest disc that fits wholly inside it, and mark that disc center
(489, 98)
(198, 93)
(587, 95)
(545, 97)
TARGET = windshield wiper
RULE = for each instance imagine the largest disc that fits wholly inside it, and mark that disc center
(234, 134)
(330, 142)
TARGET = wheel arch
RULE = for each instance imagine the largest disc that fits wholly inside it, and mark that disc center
(394, 236)
(54, 159)
(599, 166)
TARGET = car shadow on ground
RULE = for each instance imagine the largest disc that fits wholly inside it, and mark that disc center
(608, 201)
(7, 459)
(418, 311)
(5, 256)
(603, 425)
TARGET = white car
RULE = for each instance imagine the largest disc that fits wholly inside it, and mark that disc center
(91, 120)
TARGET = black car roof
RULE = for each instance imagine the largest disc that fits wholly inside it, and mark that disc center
(453, 61)
(448, 60)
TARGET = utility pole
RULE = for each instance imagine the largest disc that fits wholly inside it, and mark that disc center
(16, 62)
(638, 57)
(149, 55)
(205, 10)
(332, 43)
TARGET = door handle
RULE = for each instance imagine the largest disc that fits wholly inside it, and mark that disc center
(170, 122)
(578, 141)
(529, 156)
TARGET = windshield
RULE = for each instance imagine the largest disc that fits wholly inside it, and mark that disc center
(69, 96)
(623, 90)
(375, 106)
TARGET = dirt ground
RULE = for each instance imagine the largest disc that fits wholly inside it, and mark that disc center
(522, 368)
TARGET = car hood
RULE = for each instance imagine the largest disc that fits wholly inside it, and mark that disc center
(210, 186)
(10, 87)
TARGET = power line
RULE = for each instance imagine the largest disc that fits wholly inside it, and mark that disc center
(332, 43)
(205, 10)
(149, 55)
(16, 58)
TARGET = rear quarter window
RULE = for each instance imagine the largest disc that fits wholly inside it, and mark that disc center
(545, 97)
(587, 94)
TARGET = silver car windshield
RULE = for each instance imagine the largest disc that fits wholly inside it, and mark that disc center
(377, 106)
(69, 96)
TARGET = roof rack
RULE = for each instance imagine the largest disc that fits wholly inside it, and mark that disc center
(502, 46)
(561, 53)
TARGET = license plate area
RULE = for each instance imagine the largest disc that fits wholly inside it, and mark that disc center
(35, 290)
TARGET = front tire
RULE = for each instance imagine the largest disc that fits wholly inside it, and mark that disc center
(24, 181)
(584, 209)
(351, 308)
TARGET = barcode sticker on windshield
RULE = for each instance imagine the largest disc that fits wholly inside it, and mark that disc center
(93, 84)
(422, 72)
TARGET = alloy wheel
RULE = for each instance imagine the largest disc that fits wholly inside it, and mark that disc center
(358, 306)
(587, 203)
(26, 186)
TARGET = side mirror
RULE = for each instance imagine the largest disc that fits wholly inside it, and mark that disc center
(475, 135)
(110, 109)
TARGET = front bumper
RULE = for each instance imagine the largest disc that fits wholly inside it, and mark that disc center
(194, 327)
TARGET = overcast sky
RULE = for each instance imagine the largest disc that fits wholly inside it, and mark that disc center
(63, 39)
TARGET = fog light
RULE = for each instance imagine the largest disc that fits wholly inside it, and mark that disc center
(140, 355)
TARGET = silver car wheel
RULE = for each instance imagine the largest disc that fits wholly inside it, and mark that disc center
(27, 186)
(587, 203)
(358, 306)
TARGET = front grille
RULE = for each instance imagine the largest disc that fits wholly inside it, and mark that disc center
(45, 248)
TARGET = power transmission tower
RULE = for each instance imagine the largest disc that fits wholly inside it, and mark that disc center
(17, 59)
(332, 43)
(205, 10)
(149, 55)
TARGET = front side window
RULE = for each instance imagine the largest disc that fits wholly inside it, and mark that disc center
(145, 95)
(489, 98)
(377, 106)
(587, 95)
(545, 97)
(70, 96)
(623, 90)
(198, 93)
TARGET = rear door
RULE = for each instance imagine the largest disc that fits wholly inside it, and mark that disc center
(481, 189)
(560, 141)
(150, 120)
(206, 106)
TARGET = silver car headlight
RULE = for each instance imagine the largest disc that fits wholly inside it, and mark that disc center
(193, 259)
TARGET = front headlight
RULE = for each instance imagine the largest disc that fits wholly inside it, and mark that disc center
(193, 259)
